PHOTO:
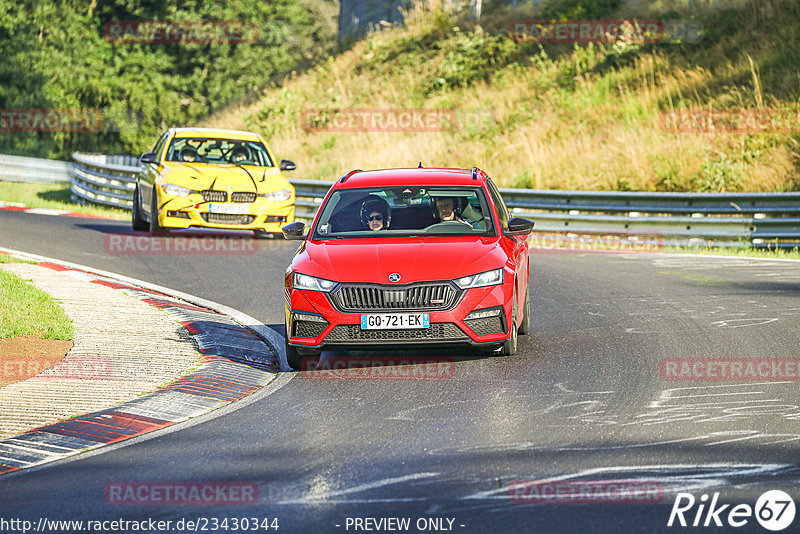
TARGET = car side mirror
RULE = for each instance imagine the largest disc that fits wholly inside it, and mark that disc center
(287, 165)
(519, 226)
(148, 157)
(294, 231)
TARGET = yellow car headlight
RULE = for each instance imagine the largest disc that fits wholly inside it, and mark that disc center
(176, 190)
(278, 196)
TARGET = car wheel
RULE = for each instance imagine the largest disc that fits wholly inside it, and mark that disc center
(509, 348)
(292, 356)
(154, 226)
(525, 327)
(137, 221)
(263, 234)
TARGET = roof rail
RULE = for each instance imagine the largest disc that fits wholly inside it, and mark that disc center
(475, 171)
(348, 175)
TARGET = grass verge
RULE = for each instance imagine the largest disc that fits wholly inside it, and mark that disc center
(790, 254)
(543, 243)
(53, 196)
(8, 258)
(26, 310)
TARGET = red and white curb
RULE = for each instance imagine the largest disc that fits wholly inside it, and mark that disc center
(238, 362)
(20, 207)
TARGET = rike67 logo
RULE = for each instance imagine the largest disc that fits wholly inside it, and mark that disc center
(774, 511)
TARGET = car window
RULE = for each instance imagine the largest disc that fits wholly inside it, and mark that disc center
(404, 211)
(502, 211)
(160, 145)
(218, 151)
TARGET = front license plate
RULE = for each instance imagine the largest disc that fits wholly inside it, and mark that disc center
(390, 321)
(238, 209)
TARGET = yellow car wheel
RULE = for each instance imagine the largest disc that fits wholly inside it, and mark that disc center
(154, 226)
(137, 221)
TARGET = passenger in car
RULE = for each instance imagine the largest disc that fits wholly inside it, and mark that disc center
(240, 155)
(188, 154)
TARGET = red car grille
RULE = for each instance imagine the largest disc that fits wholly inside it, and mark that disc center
(352, 333)
(427, 297)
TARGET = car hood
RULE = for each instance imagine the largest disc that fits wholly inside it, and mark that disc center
(414, 259)
(201, 177)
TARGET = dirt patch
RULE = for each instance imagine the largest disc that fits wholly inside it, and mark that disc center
(26, 356)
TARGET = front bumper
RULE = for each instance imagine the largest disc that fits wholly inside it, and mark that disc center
(333, 328)
(185, 212)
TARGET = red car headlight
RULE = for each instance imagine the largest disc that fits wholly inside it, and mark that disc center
(489, 278)
(309, 283)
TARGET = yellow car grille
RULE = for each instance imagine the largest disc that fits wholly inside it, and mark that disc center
(215, 196)
(227, 218)
(243, 197)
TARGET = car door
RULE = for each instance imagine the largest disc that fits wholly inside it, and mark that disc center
(519, 251)
(149, 174)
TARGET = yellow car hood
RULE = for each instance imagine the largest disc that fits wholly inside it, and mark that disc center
(200, 177)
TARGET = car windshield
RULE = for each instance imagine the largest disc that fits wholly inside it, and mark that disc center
(218, 151)
(404, 211)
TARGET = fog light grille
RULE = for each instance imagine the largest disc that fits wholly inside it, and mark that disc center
(178, 214)
(308, 329)
(486, 326)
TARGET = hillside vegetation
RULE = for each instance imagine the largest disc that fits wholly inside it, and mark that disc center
(57, 56)
(553, 116)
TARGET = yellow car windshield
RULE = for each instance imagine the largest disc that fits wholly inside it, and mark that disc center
(218, 151)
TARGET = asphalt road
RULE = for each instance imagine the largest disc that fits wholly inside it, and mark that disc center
(584, 400)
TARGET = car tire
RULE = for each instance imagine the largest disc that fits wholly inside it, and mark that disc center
(263, 234)
(137, 221)
(525, 326)
(509, 348)
(292, 356)
(154, 226)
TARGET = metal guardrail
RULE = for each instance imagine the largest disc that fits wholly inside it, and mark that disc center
(37, 170)
(674, 203)
(106, 180)
(721, 218)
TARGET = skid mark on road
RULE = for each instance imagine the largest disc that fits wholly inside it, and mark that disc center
(672, 478)
(706, 416)
(525, 404)
(321, 492)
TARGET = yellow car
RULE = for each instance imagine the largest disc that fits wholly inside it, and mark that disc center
(215, 179)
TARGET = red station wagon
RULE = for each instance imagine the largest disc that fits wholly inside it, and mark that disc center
(408, 257)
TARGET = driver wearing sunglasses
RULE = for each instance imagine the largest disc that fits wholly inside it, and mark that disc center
(375, 214)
